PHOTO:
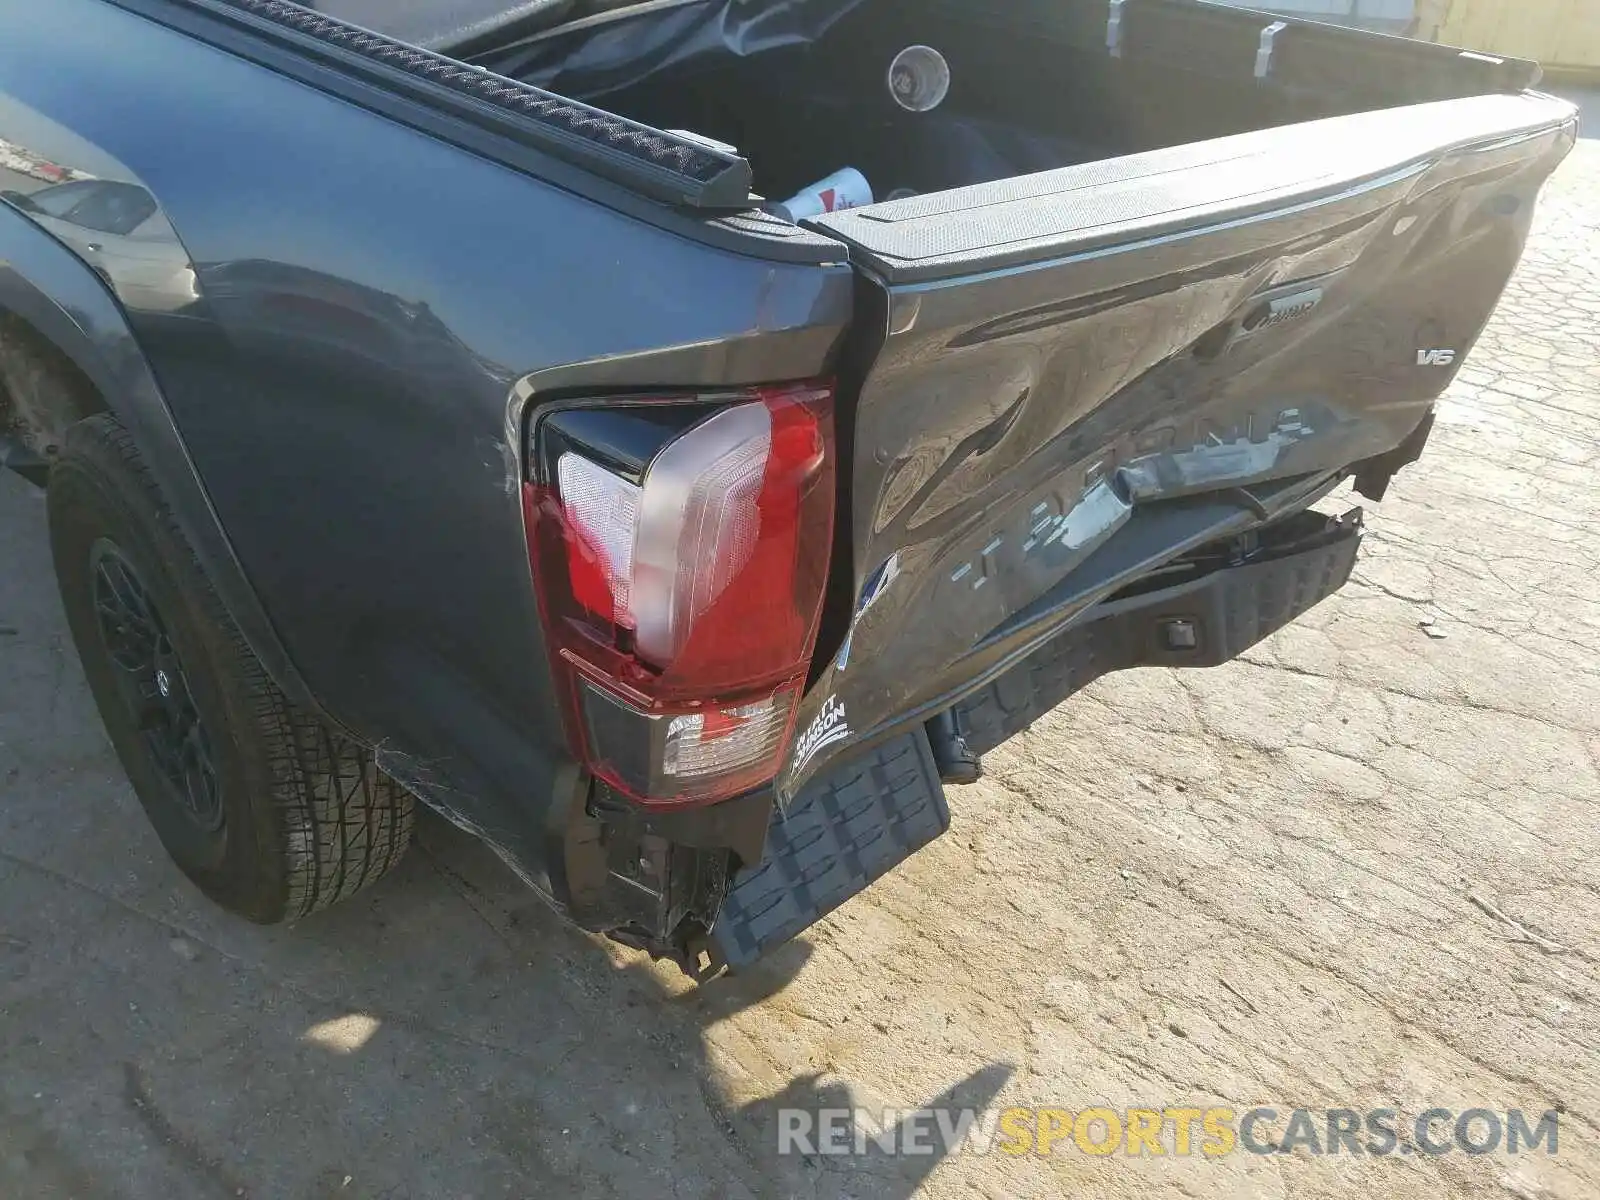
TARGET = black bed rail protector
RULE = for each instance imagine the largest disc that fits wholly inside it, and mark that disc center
(661, 165)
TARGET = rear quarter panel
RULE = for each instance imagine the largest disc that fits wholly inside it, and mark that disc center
(363, 302)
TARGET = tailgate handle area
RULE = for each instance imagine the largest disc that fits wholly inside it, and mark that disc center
(1283, 308)
(1273, 309)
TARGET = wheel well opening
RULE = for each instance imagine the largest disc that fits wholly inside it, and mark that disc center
(42, 391)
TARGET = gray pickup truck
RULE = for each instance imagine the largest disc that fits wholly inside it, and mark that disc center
(675, 439)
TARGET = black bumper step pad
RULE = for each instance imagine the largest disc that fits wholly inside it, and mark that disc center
(842, 832)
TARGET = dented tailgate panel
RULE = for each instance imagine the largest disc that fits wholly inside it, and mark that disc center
(1068, 410)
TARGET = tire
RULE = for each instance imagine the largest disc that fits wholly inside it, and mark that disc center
(272, 813)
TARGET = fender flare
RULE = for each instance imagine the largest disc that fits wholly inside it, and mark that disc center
(66, 304)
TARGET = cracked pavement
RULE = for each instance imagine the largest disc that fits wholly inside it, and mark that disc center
(1270, 883)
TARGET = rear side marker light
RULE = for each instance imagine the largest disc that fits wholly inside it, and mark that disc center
(681, 605)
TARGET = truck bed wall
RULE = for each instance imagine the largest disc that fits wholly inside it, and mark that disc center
(1034, 85)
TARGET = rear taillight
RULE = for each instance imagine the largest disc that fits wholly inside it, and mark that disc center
(681, 591)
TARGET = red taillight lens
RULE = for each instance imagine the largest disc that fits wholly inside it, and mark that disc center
(682, 609)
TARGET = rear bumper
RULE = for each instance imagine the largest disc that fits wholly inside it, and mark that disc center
(856, 823)
(1227, 610)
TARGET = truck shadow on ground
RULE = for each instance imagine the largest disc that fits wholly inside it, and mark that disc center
(444, 1036)
(677, 1018)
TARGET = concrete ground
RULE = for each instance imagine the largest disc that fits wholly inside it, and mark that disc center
(1251, 885)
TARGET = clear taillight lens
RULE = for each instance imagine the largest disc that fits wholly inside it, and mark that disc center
(659, 757)
(683, 608)
(605, 512)
(699, 526)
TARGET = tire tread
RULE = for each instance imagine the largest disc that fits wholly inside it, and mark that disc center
(344, 823)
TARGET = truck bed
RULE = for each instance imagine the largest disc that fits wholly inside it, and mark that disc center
(1186, 256)
(801, 89)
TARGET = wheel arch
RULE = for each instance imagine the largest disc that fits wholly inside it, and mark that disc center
(61, 315)
(61, 393)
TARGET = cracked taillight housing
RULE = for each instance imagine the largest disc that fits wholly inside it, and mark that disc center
(680, 550)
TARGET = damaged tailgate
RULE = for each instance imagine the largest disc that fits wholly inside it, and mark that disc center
(1068, 379)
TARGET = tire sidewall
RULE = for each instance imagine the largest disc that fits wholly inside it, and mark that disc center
(96, 494)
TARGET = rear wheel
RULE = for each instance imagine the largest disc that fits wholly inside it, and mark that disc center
(268, 810)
